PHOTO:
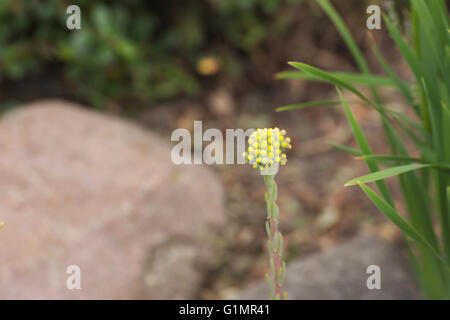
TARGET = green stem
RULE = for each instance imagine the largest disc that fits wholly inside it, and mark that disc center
(275, 241)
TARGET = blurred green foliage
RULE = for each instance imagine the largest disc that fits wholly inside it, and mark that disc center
(141, 50)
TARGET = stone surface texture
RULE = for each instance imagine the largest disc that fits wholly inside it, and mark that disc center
(78, 187)
(341, 273)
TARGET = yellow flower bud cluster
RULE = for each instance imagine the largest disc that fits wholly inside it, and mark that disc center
(266, 146)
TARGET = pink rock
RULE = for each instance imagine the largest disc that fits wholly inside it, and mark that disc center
(81, 188)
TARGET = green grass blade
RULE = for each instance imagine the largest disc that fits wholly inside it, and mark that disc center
(365, 148)
(345, 148)
(435, 47)
(327, 77)
(405, 50)
(443, 209)
(346, 35)
(403, 117)
(434, 268)
(353, 78)
(416, 266)
(388, 157)
(386, 173)
(350, 42)
(306, 105)
(448, 195)
(423, 142)
(435, 121)
(392, 215)
(402, 86)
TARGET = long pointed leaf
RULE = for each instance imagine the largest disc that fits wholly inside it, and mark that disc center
(354, 78)
(386, 173)
(306, 105)
(365, 148)
(345, 148)
(329, 78)
(392, 215)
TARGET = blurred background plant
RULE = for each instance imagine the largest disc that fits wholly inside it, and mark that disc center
(129, 50)
(424, 178)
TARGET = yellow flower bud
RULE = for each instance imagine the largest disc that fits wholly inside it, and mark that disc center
(265, 147)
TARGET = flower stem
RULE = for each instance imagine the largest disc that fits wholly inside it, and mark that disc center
(275, 242)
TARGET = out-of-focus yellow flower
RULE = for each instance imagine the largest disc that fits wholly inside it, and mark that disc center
(2, 224)
(265, 148)
(208, 66)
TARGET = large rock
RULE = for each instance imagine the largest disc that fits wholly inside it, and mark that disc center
(340, 273)
(81, 188)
